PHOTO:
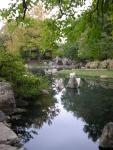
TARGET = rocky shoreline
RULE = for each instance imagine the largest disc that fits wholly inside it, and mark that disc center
(8, 139)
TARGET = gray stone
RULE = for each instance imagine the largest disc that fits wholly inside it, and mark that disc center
(45, 92)
(106, 139)
(59, 61)
(7, 136)
(72, 83)
(2, 117)
(7, 99)
(59, 84)
(8, 147)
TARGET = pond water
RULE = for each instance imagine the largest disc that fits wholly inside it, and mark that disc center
(66, 120)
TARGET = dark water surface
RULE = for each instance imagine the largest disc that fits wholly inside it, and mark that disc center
(68, 119)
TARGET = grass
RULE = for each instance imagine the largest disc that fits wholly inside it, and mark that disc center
(103, 73)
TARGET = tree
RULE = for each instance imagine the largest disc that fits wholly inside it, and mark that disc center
(66, 7)
(40, 34)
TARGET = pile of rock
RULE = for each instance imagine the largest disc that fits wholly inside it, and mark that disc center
(8, 139)
(106, 64)
(61, 63)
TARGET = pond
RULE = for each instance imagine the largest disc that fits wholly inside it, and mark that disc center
(66, 120)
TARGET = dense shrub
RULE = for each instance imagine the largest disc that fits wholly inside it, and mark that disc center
(71, 52)
(13, 70)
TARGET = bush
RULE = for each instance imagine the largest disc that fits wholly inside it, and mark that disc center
(13, 70)
(71, 52)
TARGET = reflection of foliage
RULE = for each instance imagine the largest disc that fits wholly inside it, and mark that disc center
(93, 105)
(24, 123)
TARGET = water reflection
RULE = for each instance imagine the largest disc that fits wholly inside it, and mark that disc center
(94, 104)
(33, 117)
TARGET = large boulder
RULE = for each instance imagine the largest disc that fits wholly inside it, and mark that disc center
(8, 147)
(7, 100)
(106, 139)
(72, 83)
(7, 136)
(58, 84)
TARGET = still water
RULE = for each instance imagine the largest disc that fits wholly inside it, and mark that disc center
(67, 120)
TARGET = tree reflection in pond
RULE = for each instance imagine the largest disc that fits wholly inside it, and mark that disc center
(94, 104)
(39, 112)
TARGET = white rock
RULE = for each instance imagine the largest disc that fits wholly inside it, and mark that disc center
(7, 136)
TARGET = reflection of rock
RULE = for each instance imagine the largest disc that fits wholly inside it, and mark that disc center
(92, 106)
(7, 136)
(7, 100)
(106, 140)
(33, 116)
(73, 81)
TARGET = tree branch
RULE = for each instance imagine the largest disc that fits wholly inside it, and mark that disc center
(24, 8)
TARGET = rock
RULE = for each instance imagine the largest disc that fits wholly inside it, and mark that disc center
(72, 83)
(87, 65)
(8, 147)
(45, 92)
(103, 64)
(59, 84)
(78, 80)
(2, 117)
(66, 61)
(54, 71)
(110, 64)
(7, 100)
(106, 139)
(7, 136)
(59, 61)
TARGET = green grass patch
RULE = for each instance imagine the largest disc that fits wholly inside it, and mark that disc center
(103, 73)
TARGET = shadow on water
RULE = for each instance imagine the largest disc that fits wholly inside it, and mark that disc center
(93, 103)
(33, 117)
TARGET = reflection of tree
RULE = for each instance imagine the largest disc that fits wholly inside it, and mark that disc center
(40, 111)
(93, 105)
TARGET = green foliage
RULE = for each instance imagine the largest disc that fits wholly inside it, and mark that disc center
(37, 34)
(92, 31)
(58, 52)
(71, 51)
(13, 70)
